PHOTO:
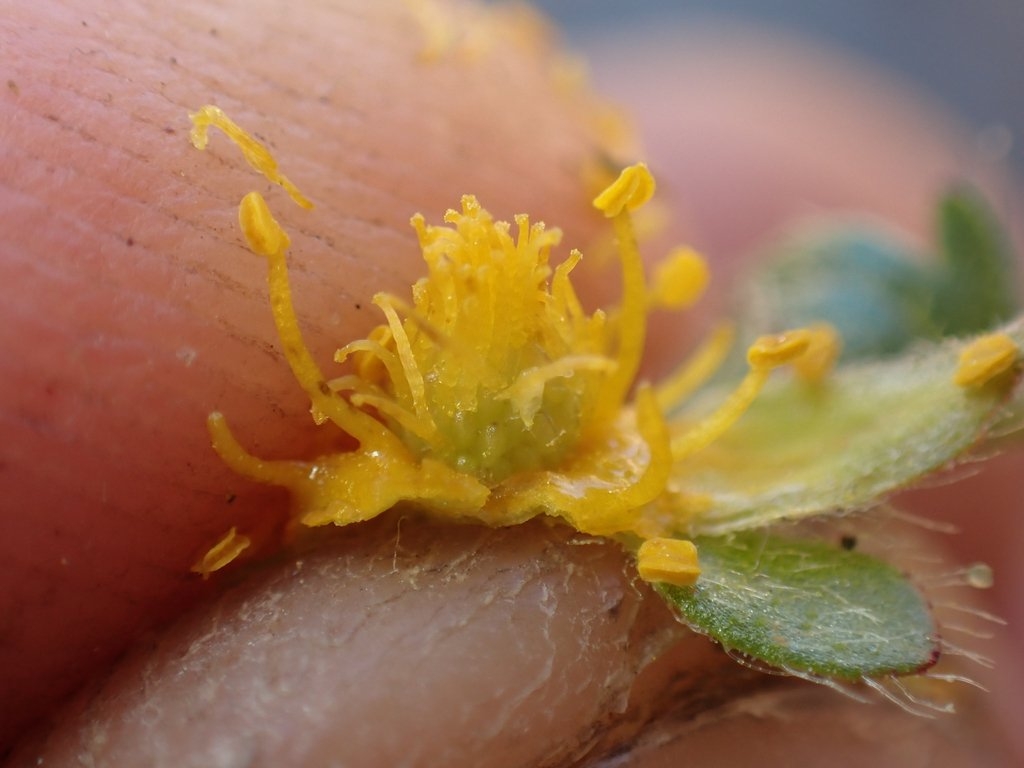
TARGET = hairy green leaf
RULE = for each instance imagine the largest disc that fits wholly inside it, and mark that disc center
(807, 607)
(870, 429)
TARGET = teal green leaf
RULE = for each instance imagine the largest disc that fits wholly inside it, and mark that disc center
(975, 287)
(877, 291)
(860, 278)
(807, 607)
(870, 429)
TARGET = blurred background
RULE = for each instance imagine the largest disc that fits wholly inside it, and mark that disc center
(968, 55)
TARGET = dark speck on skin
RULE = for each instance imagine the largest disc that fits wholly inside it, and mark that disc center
(613, 612)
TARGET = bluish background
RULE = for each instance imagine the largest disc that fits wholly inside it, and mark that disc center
(969, 55)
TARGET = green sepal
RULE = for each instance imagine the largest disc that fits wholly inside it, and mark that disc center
(807, 607)
(975, 284)
(871, 428)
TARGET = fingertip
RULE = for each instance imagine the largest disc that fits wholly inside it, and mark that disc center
(387, 644)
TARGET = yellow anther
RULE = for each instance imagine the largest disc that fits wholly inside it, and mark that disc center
(257, 155)
(633, 188)
(984, 359)
(680, 279)
(261, 230)
(820, 357)
(769, 352)
(222, 553)
(673, 561)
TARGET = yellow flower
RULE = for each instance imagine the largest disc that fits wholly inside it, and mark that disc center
(490, 395)
(493, 396)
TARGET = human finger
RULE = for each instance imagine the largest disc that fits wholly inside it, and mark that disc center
(133, 307)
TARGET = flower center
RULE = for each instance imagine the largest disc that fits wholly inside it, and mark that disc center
(495, 369)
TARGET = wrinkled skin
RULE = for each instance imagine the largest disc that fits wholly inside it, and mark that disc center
(136, 309)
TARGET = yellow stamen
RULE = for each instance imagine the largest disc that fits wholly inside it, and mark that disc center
(369, 355)
(984, 359)
(680, 279)
(701, 366)
(376, 360)
(222, 553)
(629, 191)
(266, 238)
(765, 354)
(244, 463)
(257, 155)
(673, 561)
(410, 369)
(423, 428)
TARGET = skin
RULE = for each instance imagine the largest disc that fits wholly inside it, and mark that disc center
(138, 309)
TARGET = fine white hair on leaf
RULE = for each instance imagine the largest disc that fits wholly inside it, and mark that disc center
(951, 678)
(951, 649)
(972, 611)
(894, 690)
